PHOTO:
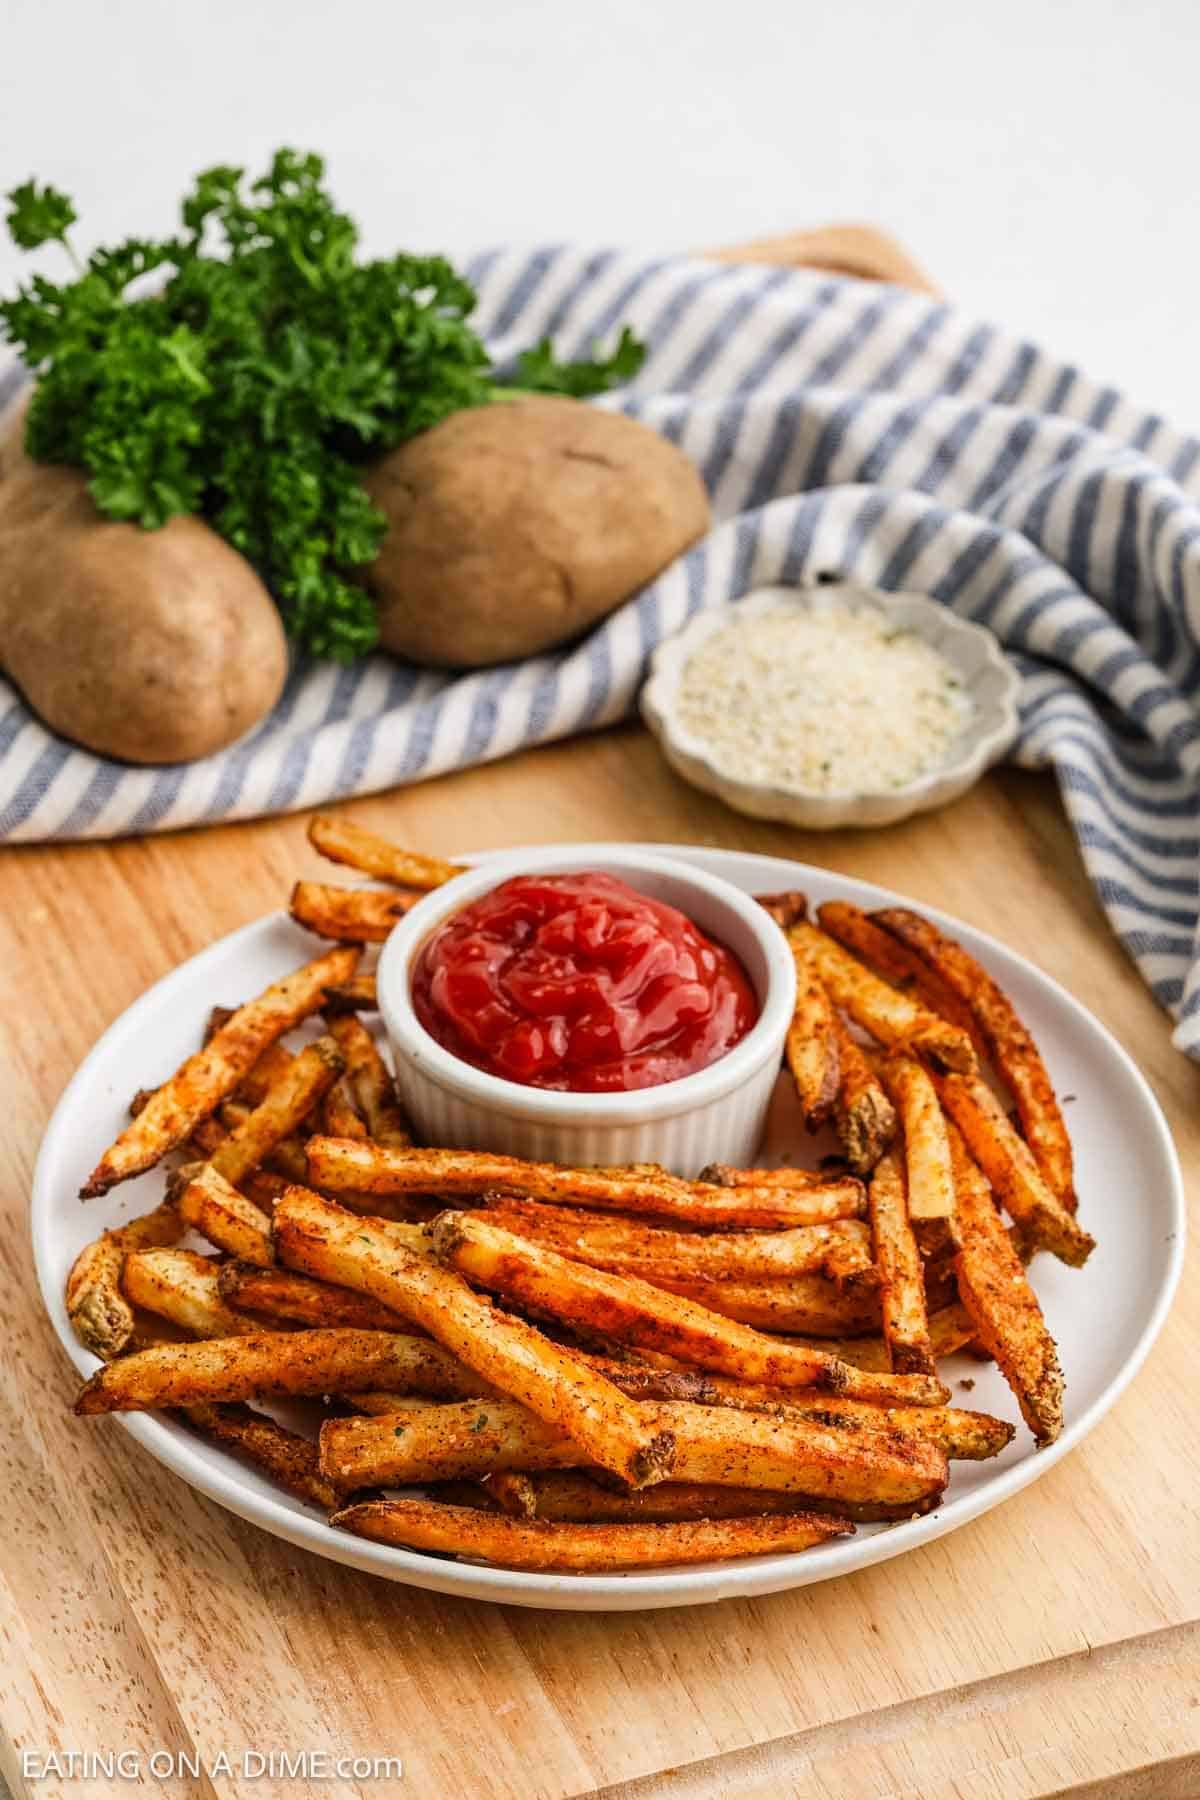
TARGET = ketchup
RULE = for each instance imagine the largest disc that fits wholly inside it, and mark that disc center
(577, 983)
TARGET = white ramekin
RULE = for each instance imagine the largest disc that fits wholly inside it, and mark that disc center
(716, 1115)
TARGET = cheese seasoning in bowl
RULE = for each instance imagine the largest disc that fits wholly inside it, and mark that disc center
(832, 706)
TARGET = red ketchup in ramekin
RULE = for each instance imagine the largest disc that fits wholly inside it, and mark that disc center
(576, 983)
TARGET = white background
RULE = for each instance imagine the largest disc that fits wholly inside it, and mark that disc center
(1036, 155)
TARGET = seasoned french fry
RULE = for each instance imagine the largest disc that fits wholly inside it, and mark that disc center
(864, 1117)
(798, 1303)
(283, 1106)
(371, 1082)
(725, 1176)
(338, 1117)
(344, 842)
(258, 1363)
(282, 1294)
(926, 1151)
(204, 1080)
(218, 1212)
(950, 1329)
(1000, 1301)
(547, 1544)
(1009, 1165)
(324, 1240)
(1012, 1046)
(342, 1166)
(633, 1311)
(513, 1493)
(811, 1048)
(716, 1445)
(100, 1314)
(351, 915)
(181, 1286)
(841, 1250)
(786, 908)
(894, 1018)
(567, 1495)
(263, 1187)
(357, 995)
(965, 1436)
(905, 1326)
(289, 1460)
(896, 964)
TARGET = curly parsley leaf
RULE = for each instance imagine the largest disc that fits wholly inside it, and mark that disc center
(538, 372)
(253, 375)
(38, 215)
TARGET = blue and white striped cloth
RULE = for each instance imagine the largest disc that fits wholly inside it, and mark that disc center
(841, 428)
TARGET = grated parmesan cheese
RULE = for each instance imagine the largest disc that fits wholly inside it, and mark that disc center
(835, 701)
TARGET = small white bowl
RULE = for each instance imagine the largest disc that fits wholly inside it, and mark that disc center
(715, 1115)
(987, 675)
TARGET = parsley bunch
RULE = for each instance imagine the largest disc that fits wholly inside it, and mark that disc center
(246, 369)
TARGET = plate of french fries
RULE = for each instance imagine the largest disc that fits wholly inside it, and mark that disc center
(608, 1388)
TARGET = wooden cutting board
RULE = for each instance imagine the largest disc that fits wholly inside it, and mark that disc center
(1051, 1647)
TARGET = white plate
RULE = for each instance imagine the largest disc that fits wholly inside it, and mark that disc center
(1105, 1317)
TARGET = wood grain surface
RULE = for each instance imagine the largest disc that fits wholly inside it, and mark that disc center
(1051, 1647)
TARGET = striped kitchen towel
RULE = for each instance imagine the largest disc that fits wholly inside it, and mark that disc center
(842, 429)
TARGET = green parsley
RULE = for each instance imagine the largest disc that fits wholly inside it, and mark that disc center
(479, 1423)
(399, 1430)
(247, 368)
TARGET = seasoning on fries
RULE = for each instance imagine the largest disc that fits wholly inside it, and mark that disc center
(580, 1549)
(671, 1370)
(322, 1239)
(203, 1081)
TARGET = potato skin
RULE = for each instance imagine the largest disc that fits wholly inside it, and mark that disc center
(515, 526)
(146, 646)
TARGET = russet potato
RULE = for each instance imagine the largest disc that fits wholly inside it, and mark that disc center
(147, 646)
(514, 527)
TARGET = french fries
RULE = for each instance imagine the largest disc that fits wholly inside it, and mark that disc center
(359, 994)
(546, 1544)
(241, 1368)
(100, 1314)
(632, 1311)
(1009, 1165)
(181, 1286)
(841, 1250)
(343, 1166)
(892, 1017)
(715, 1445)
(811, 1049)
(218, 1212)
(895, 963)
(786, 909)
(905, 1326)
(864, 1117)
(290, 1461)
(807, 1304)
(350, 915)
(592, 1368)
(926, 1151)
(371, 1082)
(284, 1103)
(282, 1294)
(1012, 1047)
(963, 1435)
(324, 1240)
(204, 1080)
(344, 842)
(567, 1495)
(997, 1295)
(338, 1117)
